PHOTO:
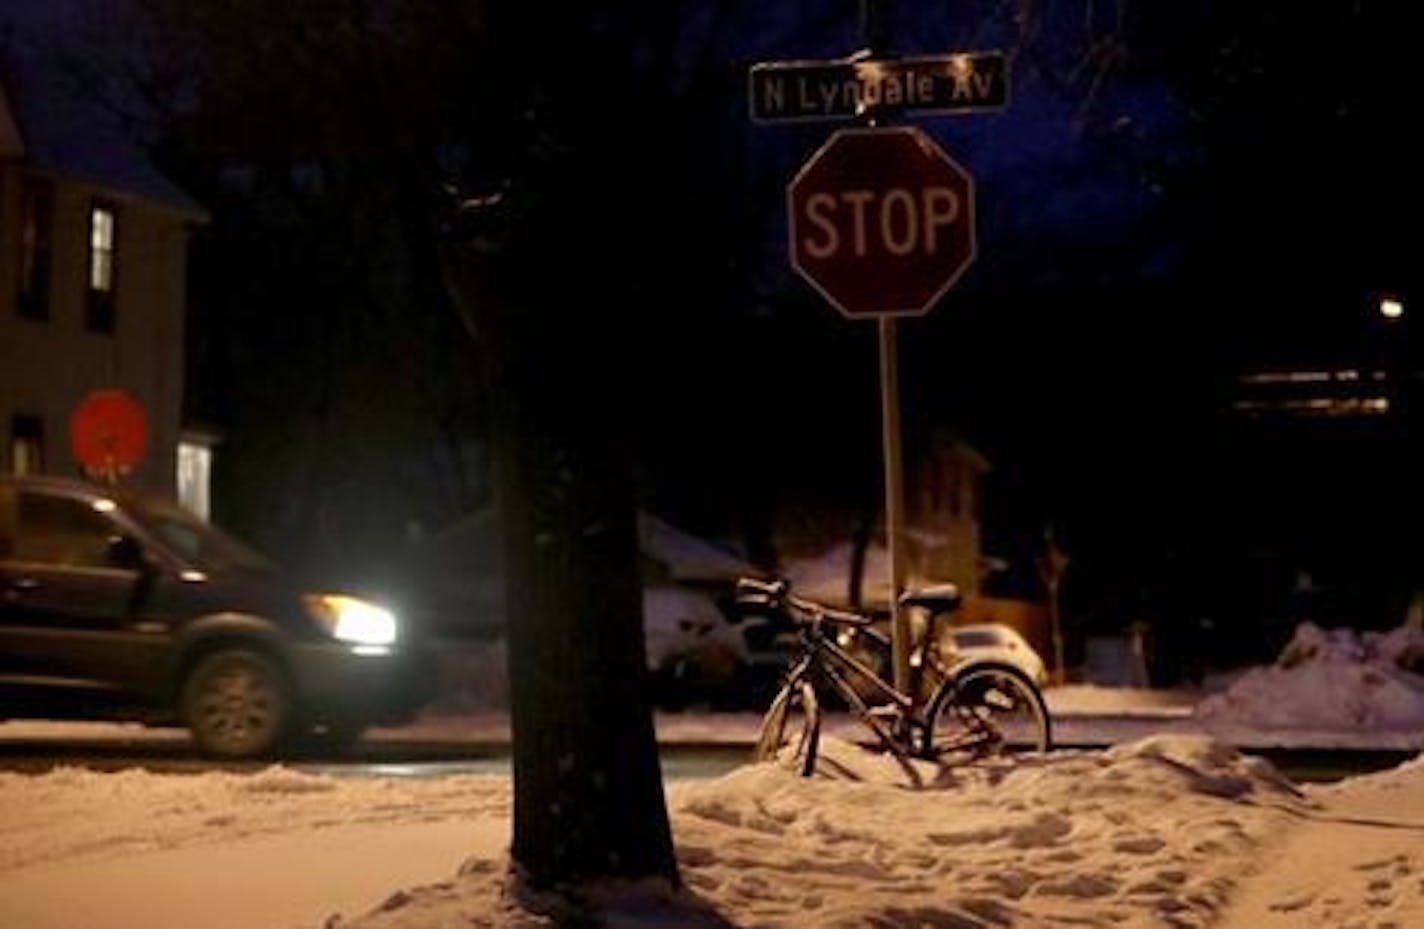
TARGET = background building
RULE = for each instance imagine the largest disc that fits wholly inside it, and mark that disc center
(93, 281)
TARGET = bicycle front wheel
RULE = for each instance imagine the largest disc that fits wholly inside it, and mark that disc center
(791, 727)
(986, 710)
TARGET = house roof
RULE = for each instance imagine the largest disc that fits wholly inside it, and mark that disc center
(472, 546)
(48, 122)
(685, 556)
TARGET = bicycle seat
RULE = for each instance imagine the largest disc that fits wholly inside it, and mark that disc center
(937, 598)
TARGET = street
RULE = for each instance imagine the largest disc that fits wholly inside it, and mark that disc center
(35, 748)
(38, 748)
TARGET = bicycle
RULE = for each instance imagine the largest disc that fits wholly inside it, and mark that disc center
(974, 710)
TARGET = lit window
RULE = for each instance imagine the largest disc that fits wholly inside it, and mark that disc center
(103, 255)
(26, 444)
(101, 249)
(195, 463)
(36, 233)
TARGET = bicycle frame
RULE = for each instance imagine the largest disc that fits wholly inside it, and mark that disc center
(825, 662)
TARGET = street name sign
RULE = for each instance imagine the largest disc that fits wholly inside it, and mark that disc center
(803, 91)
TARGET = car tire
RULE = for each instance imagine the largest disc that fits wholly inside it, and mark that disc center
(236, 703)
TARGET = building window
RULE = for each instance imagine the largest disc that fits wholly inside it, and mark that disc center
(103, 266)
(36, 237)
(195, 464)
(26, 444)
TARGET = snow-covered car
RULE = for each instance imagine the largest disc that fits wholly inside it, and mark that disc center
(694, 653)
(992, 643)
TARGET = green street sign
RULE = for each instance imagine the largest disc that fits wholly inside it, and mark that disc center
(805, 91)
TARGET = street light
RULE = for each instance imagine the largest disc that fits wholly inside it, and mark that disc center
(1391, 307)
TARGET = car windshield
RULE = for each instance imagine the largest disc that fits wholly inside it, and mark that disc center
(200, 543)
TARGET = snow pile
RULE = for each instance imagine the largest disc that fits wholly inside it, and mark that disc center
(1152, 833)
(1330, 680)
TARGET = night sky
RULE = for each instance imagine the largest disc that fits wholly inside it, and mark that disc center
(1173, 196)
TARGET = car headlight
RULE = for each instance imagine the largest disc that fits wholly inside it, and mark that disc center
(351, 619)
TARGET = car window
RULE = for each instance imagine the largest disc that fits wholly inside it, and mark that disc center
(196, 541)
(976, 639)
(62, 531)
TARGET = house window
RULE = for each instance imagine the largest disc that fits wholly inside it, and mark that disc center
(103, 255)
(26, 444)
(36, 236)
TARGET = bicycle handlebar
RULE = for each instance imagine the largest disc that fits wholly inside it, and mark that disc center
(777, 595)
(752, 589)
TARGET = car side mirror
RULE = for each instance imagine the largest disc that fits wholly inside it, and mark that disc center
(125, 552)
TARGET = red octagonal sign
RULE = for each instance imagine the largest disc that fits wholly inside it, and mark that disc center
(881, 221)
(108, 433)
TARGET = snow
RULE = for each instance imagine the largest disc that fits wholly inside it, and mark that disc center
(1171, 826)
(686, 557)
(678, 622)
(1336, 681)
(1169, 830)
(825, 577)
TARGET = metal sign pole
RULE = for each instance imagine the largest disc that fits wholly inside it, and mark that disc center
(900, 645)
(875, 20)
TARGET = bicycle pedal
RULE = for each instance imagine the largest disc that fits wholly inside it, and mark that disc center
(884, 711)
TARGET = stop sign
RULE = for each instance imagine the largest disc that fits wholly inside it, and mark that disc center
(108, 433)
(881, 221)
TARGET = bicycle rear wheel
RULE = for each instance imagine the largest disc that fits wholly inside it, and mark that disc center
(987, 710)
(784, 735)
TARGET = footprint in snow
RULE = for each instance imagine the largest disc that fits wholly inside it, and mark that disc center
(1084, 886)
(1296, 900)
(1139, 845)
(1045, 830)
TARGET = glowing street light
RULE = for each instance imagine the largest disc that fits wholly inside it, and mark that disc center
(1391, 307)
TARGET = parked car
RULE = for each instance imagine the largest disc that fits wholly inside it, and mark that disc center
(992, 643)
(960, 647)
(122, 605)
(695, 655)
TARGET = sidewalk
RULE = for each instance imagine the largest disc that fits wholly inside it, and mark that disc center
(1083, 716)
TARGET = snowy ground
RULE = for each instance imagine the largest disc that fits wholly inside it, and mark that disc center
(1170, 827)
(1165, 831)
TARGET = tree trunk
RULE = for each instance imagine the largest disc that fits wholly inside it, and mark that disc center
(588, 789)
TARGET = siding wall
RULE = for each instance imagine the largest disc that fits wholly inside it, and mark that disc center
(47, 366)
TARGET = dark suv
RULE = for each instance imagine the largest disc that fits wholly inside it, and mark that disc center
(118, 605)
